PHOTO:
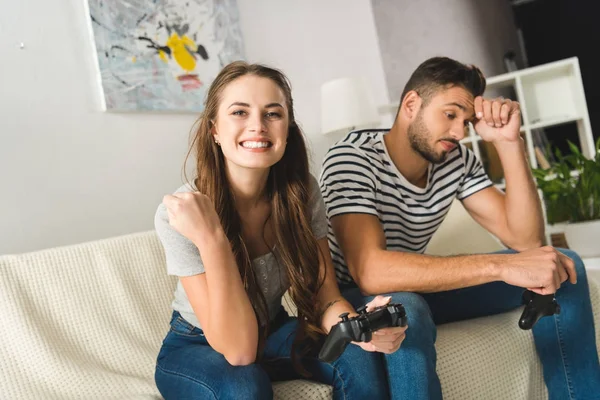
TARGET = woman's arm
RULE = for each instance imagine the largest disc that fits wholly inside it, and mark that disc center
(221, 304)
(217, 296)
(330, 301)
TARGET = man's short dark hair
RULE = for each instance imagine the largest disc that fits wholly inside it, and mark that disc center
(439, 73)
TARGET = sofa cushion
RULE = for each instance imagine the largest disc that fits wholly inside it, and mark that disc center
(301, 390)
(87, 321)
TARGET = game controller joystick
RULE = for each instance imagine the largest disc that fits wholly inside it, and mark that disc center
(360, 328)
(536, 307)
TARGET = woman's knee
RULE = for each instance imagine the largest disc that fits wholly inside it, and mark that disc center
(421, 332)
(174, 385)
(361, 374)
(416, 307)
(223, 381)
(247, 382)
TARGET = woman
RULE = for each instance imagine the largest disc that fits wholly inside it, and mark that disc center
(250, 227)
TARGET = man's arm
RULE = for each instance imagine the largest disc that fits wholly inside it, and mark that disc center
(377, 270)
(515, 218)
(511, 218)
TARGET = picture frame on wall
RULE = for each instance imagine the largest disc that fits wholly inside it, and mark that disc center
(162, 55)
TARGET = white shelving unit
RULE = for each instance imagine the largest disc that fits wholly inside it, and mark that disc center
(550, 94)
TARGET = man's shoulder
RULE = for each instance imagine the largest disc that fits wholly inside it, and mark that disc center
(364, 143)
(363, 139)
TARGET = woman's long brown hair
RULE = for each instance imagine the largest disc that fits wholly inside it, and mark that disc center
(288, 192)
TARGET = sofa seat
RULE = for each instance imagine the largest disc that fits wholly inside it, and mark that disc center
(86, 322)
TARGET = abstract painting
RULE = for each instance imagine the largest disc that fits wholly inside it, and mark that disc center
(162, 55)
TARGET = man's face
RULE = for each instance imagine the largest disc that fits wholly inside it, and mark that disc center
(441, 124)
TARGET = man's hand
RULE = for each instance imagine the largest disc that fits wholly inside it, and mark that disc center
(540, 270)
(385, 340)
(497, 120)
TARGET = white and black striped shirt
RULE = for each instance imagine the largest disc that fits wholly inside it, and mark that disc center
(358, 176)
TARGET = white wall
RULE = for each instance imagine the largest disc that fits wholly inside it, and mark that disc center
(71, 173)
(313, 41)
(476, 32)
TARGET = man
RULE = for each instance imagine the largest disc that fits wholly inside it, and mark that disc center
(386, 194)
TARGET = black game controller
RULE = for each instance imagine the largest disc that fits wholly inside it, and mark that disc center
(360, 328)
(536, 307)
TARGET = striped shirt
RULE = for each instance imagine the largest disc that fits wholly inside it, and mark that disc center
(358, 176)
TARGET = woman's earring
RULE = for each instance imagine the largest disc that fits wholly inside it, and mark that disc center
(217, 142)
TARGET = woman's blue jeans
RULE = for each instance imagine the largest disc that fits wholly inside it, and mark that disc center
(188, 368)
(565, 343)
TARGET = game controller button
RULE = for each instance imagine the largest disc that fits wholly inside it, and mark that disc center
(527, 296)
(344, 316)
(361, 310)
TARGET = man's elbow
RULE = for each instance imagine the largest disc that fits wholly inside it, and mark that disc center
(536, 244)
(364, 280)
(527, 243)
(526, 246)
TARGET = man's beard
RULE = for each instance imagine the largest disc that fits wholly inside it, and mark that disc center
(418, 136)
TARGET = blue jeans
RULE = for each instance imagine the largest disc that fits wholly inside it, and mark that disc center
(188, 368)
(565, 343)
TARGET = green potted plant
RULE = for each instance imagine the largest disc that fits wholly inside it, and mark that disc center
(571, 192)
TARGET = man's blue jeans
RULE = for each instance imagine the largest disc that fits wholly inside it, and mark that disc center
(188, 368)
(565, 343)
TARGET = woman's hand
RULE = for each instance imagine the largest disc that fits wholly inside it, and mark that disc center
(193, 215)
(386, 340)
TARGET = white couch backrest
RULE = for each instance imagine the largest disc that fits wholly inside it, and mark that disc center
(84, 321)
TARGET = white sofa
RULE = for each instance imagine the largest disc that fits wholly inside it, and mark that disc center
(86, 322)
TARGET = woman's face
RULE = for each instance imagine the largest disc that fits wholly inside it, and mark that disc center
(252, 123)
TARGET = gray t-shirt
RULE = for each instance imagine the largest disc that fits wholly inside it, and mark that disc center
(183, 257)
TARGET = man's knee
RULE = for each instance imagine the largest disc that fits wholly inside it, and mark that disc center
(579, 267)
